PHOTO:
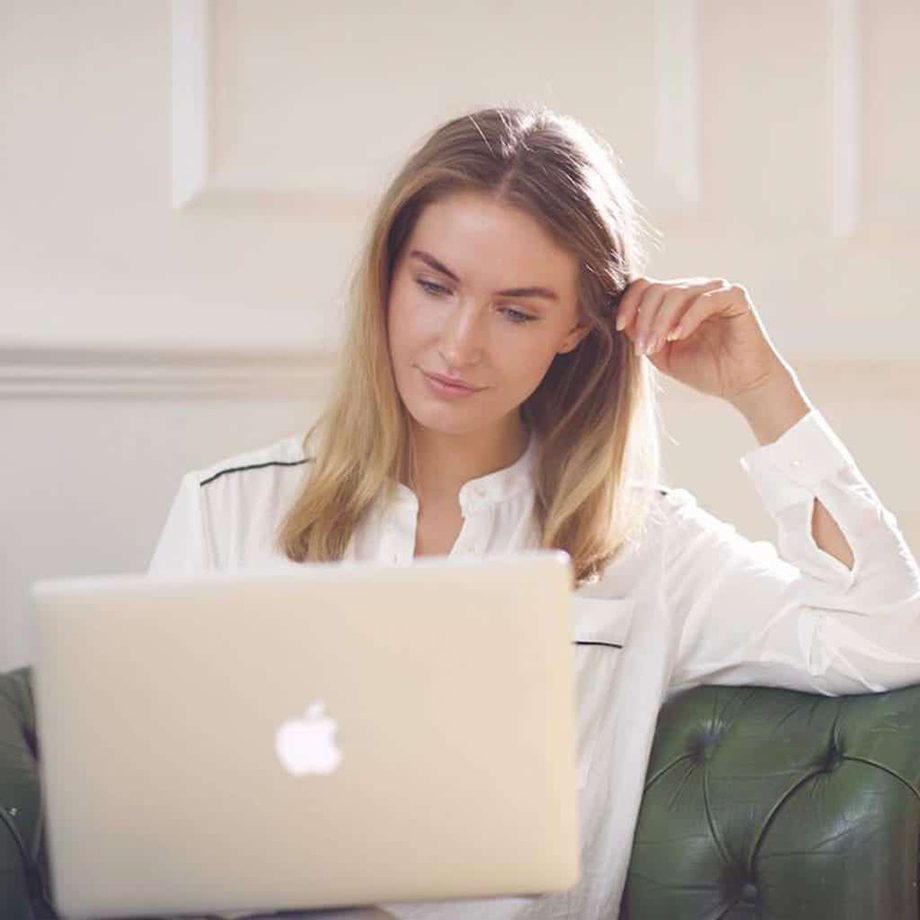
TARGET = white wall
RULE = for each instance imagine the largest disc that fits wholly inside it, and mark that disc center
(183, 190)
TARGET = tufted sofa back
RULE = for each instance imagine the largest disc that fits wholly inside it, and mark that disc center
(772, 803)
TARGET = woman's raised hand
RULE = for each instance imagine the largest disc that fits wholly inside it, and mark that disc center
(703, 332)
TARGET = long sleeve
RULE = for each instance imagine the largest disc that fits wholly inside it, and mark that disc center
(183, 547)
(795, 617)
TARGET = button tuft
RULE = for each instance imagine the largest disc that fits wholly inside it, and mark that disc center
(749, 893)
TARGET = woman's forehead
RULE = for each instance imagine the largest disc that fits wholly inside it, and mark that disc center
(479, 240)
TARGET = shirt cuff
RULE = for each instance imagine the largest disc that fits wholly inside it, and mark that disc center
(787, 470)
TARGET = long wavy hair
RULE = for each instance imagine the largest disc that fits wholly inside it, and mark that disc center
(594, 413)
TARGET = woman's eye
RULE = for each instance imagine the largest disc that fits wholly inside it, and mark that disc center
(516, 316)
(519, 317)
(431, 287)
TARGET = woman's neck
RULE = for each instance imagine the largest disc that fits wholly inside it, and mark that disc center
(444, 462)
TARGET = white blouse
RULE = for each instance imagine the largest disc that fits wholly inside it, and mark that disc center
(691, 602)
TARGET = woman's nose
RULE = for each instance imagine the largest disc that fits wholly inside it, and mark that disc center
(463, 336)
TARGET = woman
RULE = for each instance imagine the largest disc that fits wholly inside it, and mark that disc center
(504, 257)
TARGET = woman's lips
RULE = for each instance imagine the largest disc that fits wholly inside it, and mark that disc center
(447, 390)
(447, 381)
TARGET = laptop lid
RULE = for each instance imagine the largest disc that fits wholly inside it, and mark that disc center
(334, 734)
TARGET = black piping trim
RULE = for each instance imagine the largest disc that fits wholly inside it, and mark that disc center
(256, 466)
(586, 642)
(259, 466)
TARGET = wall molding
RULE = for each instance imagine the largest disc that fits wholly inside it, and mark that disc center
(677, 119)
(191, 99)
(846, 148)
(195, 184)
(90, 371)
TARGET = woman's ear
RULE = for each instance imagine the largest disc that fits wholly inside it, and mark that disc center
(573, 338)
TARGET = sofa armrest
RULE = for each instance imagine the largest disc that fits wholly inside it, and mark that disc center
(23, 859)
(781, 803)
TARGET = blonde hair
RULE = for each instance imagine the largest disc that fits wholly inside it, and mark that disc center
(595, 411)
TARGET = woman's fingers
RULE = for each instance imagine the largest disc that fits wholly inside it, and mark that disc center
(654, 299)
(661, 316)
(629, 302)
(660, 308)
(709, 303)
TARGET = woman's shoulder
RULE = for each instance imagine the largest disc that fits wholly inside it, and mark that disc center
(683, 522)
(255, 485)
(223, 513)
(678, 511)
(665, 501)
(243, 497)
(672, 499)
(679, 505)
(278, 458)
(667, 510)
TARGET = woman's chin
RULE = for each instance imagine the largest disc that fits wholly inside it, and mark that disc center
(443, 419)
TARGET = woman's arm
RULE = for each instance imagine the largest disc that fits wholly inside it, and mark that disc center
(707, 334)
(797, 616)
(771, 411)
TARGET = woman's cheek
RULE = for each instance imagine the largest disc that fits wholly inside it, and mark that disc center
(403, 327)
(414, 320)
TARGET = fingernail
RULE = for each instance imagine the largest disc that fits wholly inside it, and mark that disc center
(652, 345)
(640, 345)
(620, 323)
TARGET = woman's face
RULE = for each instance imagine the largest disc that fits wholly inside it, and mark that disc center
(459, 307)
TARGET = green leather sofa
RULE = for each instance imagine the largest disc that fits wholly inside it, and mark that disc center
(759, 802)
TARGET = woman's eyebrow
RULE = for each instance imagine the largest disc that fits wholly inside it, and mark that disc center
(437, 265)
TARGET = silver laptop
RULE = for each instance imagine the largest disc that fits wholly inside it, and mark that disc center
(332, 734)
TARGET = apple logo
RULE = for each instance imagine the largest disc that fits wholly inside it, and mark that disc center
(306, 745)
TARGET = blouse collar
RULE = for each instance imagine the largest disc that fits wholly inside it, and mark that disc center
(490, 489)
